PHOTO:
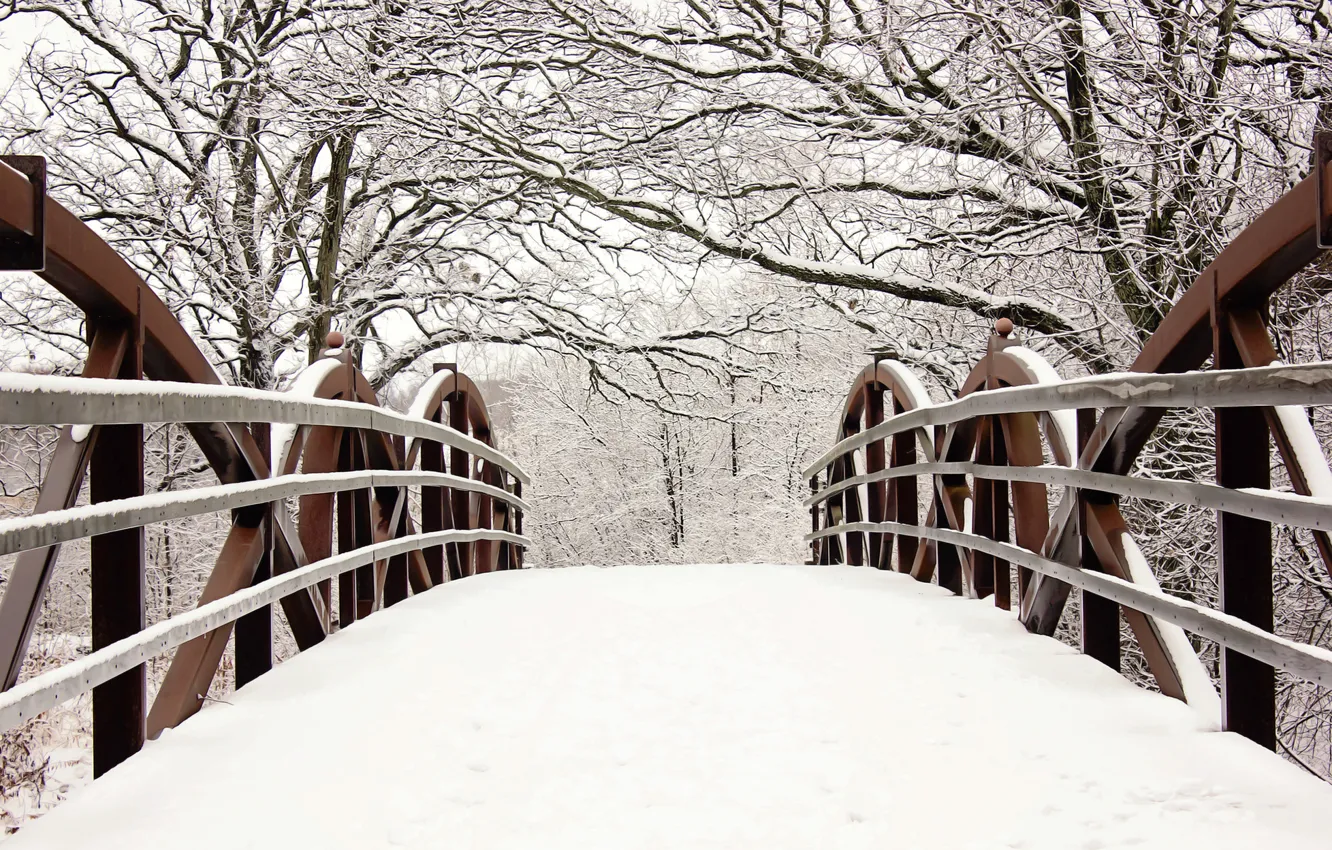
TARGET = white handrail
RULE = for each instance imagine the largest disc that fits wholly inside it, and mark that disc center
(46, 529)
(27, 699)
(52, 400)
(1286, 508)
(1308, 662)
(1267, 386)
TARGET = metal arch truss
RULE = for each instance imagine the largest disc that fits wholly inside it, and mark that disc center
(1017, 430)
(325, 442)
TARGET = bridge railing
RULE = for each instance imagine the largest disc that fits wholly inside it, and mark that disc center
(389, 504)
(961, 491)
(374, 570)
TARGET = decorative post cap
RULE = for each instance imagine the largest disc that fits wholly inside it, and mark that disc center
(1003, 327)
(335, 339)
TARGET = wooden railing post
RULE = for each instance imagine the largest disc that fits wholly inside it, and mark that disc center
(433, 513)
(485, 518)
(346, 531)
(855, 540)
(517, 526)
(1003, 585)
(254, 631)
(996, 492)
(461, 503)
(983, 568)
(118, 578)
(904, 498)
(1100, 616)
(1244, 550)
(876, 458)
(396, 584)
(947, 564)
(831, 551)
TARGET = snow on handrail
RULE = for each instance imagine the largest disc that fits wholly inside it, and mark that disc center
(27, 699)
(46, 529)
(1267, 386)
(1287, 508)
(1311, 663)
(54, 400)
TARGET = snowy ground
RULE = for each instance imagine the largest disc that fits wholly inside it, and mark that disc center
(712, 706)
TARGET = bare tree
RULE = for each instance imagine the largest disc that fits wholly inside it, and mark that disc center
(913, 148)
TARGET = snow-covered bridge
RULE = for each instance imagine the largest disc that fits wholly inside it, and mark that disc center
(454, 697)
(694, 706)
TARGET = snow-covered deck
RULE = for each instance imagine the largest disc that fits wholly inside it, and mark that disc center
(704, 706)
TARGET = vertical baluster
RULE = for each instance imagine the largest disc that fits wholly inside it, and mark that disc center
(1003, 588)
(485, 519)
(505, 513)
(904, 497)
(432, 506)
(364, 531)
(1244, 551)
(983, 567)
(518, 526)
(347, 606)
(396, 585)
(832, 544)
(947, 565)
(855, 540)
(460, 465)
(1100, 616)
(118, 579)
(254, 631)
(880, 544)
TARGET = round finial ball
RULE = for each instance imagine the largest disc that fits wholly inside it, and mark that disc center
(334, 339)
(1003, 327)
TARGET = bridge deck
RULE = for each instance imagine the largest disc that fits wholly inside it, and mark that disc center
(714, 706)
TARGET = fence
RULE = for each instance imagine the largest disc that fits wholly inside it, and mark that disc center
(1017, 429)
(353, 467)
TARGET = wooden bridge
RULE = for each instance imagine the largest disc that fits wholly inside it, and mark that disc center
(1009, 491)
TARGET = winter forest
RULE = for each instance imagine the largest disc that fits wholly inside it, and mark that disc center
(664, 235)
